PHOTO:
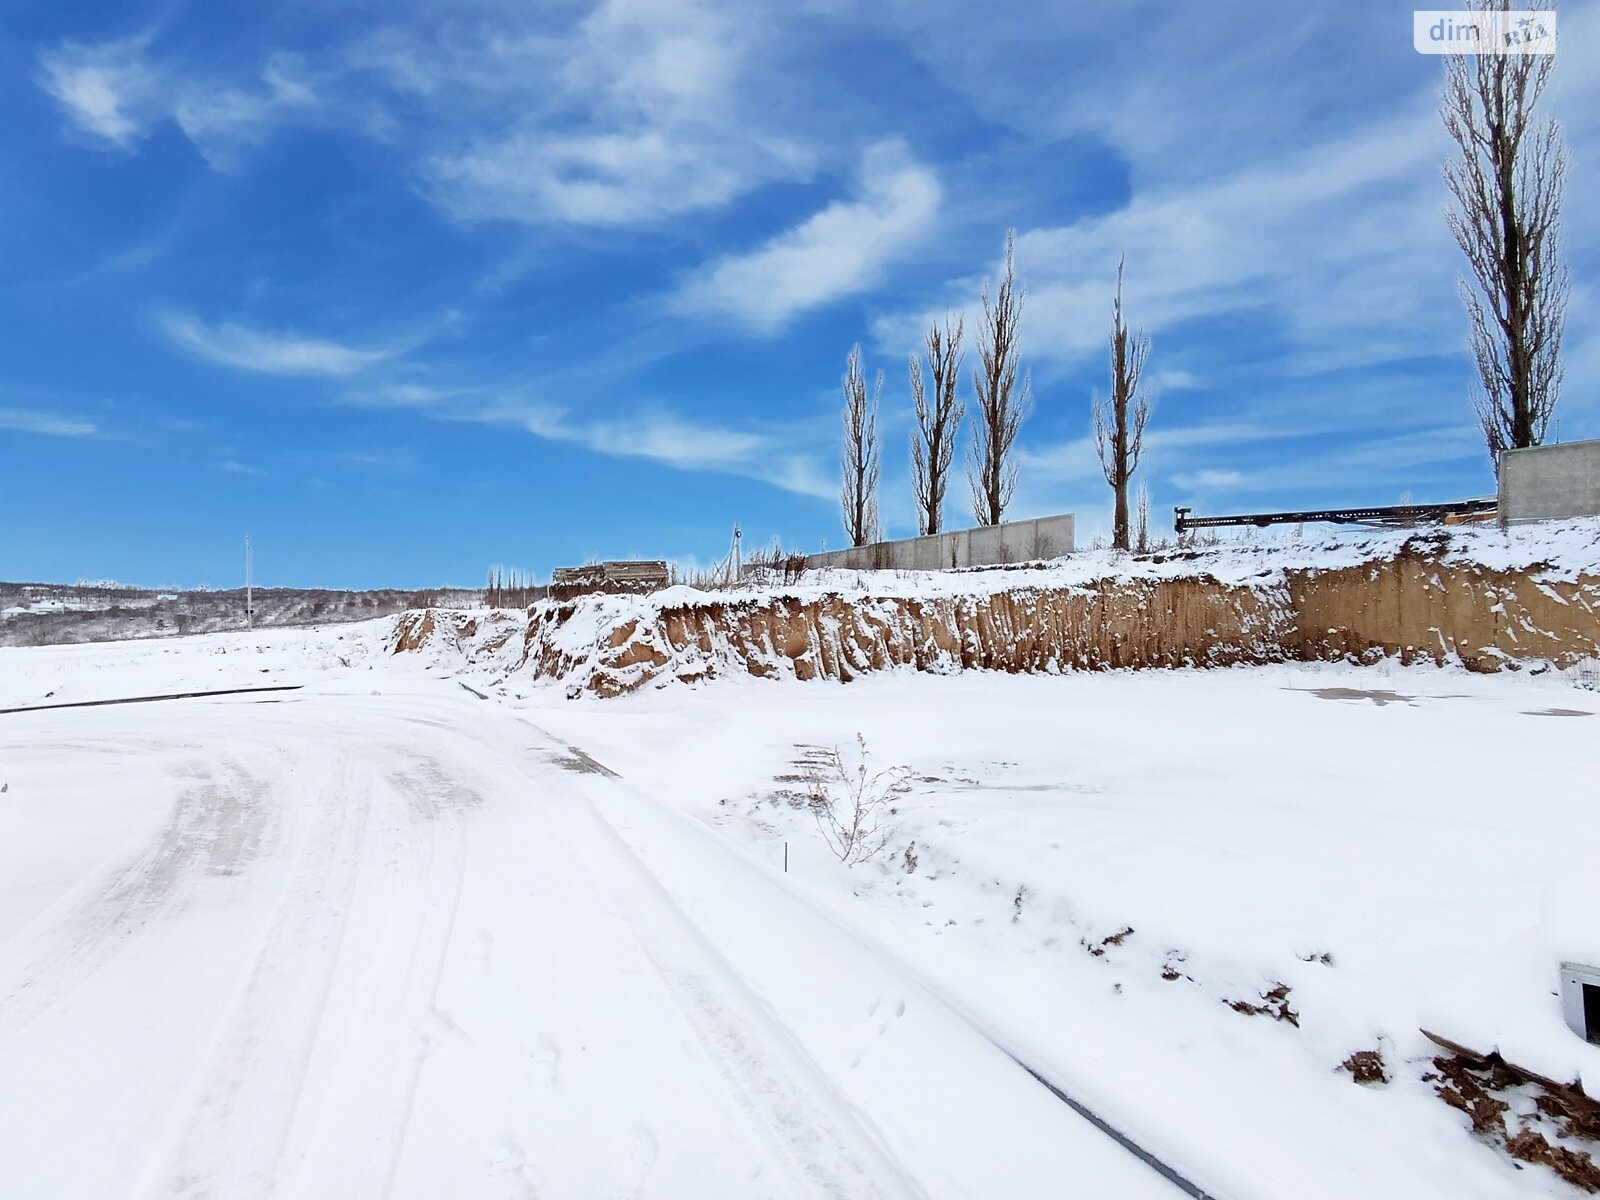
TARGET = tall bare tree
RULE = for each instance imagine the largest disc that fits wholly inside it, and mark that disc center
(1506, 180)
(858, 494)
(1119, 419)
(933, 442)
(1001, 405)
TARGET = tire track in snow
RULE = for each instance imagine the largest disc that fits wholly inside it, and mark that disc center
(792, 1107)
(242, 1109)
(804, 1119)
(217, 828)
(355, 1113)
(828, 1155)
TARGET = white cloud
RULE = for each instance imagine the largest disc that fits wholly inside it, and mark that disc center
(1208, 479)
(235, 467)
(118, 92)
(670, 440)
(402, 395)
(107, 90)
(684, 445)
(46, 424)
(1338, 247)
(635, 115)
(635, 112)
(839, 251)
(218, 120)
(617, 178)
(1427, 459)
(1070, 461)
(779, 456)
(245, 349)
(1164, 445)
(1173, 380)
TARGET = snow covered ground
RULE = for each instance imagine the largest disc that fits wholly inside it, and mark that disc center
(1360, 835)
(379, 936)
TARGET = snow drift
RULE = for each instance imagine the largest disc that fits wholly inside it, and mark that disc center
(1481, 597)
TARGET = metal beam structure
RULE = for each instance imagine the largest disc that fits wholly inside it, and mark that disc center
(1396, 514)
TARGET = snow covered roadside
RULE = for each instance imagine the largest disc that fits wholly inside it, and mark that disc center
(1359, 835)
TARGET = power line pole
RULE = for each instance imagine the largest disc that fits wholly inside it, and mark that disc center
(249, 595)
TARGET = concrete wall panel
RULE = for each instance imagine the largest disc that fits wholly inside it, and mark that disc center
(1543, 483)
(986, 546)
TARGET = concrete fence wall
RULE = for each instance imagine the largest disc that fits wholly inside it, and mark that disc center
(986, 546)
(1543, 483)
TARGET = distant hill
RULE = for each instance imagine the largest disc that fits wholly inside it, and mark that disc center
(47, 614)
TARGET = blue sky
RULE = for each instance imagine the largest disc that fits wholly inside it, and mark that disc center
(404, 289)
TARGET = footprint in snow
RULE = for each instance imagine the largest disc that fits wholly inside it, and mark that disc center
(899, 1011)
(633, 1161)
(545, 1058)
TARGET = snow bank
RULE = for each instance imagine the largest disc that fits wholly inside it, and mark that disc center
(1483, 597)
(1510, 1005)
(491, 639)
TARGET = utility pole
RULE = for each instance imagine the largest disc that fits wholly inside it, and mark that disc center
(249, 596)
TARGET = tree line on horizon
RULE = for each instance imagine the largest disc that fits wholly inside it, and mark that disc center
(1506, 183)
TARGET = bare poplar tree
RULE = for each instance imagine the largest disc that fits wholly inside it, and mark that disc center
(858, 494)
(933, 442)
(1001, 406)
(1119, 418)
(1507, 180)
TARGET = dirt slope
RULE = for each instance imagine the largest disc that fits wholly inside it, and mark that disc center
(1456, 597)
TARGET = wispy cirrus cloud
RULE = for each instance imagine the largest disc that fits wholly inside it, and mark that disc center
(1338, 246)
(234, 467)
(21, 420)
(666, 438)
(1075, 460)
(1209, 479)
(630, 114)
(1387, 465)
(108, 90)
(272, 353)
(788, 457)
(640, 114)
(610, 178)
(841, 250)
(117, 92)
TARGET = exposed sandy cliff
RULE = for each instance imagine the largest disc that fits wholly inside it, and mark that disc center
(1483, 598)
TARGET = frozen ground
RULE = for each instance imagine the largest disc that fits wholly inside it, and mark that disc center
(380, 937)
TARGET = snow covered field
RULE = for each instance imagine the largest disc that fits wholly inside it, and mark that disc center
(381, 937)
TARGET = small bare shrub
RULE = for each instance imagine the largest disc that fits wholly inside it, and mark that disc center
(852, 803)
(775, 565)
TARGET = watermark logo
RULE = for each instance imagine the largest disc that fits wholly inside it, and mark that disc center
(1498, 31)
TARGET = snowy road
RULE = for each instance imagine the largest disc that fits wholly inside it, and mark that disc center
(343, 944)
